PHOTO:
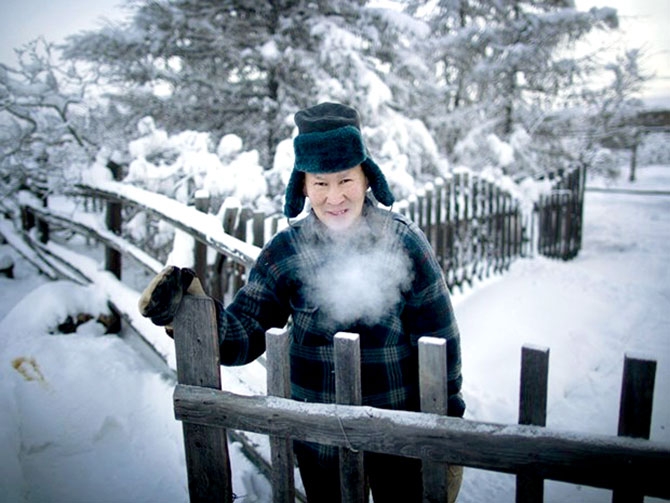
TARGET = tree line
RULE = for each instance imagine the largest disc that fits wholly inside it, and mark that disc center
(498, 85)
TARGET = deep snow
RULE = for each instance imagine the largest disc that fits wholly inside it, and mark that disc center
(85, 419)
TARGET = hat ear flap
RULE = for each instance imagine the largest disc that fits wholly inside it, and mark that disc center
(377, 181)
(295, 196)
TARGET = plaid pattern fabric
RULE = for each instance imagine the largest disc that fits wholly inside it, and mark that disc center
(278, 292)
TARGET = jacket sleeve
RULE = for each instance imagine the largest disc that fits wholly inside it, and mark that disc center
(256, 308)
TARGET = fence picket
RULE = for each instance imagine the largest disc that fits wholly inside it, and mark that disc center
(434, 399)
(439, 221)
(637, 394)
(197, 353)
(279, 384)
(348, 392)
(258, 229)
(200, 252)
(430, 222)
(113, 222)
(532, 410)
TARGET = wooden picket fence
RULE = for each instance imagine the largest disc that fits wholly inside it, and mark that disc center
(561, 216)
(631, 467)
(474, 226)
(530, 451)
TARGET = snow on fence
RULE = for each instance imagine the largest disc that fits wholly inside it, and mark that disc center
(631, 467)
(475, 227)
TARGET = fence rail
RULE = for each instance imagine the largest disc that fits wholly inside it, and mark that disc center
(630, 466)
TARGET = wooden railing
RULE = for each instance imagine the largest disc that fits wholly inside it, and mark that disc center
(605, 461)
(632, 467)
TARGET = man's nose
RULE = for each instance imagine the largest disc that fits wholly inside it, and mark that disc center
(335, 194)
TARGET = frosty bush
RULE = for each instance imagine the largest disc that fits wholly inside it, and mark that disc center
(655, 149)
(181, 164)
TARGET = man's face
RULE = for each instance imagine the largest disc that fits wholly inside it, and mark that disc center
(337, 198)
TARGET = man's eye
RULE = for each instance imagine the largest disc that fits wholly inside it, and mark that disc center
(345, 180)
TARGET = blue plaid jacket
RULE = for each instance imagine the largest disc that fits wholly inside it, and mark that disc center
(278, 292)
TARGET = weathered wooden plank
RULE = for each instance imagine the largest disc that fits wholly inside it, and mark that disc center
(434, 399)
(439, 221)
(637, 395)
(429, 189)
(197, 353)
(279, 384)
(595, 460)
(114, 223)
(258, 228)
(203, 227)
(200, 249)
(348, 392)
(534, 385)
(532, 410)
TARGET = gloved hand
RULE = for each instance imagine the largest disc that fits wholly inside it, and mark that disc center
(161, 298)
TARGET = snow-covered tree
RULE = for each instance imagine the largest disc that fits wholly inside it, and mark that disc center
(503, 66)
(44, 125)
(244, 68)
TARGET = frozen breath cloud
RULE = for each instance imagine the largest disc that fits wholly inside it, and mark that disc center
(354, 283)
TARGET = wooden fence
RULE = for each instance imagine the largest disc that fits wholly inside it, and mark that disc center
(631, 467)
(462, 206)
(561, 216)
(474, 226)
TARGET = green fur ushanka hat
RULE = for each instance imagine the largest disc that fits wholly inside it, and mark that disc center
(329, 140)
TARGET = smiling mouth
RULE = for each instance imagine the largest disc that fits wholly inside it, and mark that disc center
(337, 213)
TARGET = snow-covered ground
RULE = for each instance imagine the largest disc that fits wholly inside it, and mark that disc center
(85, 419)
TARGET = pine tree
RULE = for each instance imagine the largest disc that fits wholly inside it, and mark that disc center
(504, 65)
(47, 127)
(235, 66)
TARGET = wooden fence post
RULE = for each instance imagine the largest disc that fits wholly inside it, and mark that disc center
(113, 220)
(223, 268)
(637, 395)
(279, 384)
(448, 265)
(457, 249)
(439, 221)
(532, 411)
(348, 392)
(434, 399)
(200, 249)
(197, 351)
(429, 222)
(258, 228)
(245, 215)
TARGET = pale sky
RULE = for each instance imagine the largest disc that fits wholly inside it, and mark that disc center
(644, 24)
